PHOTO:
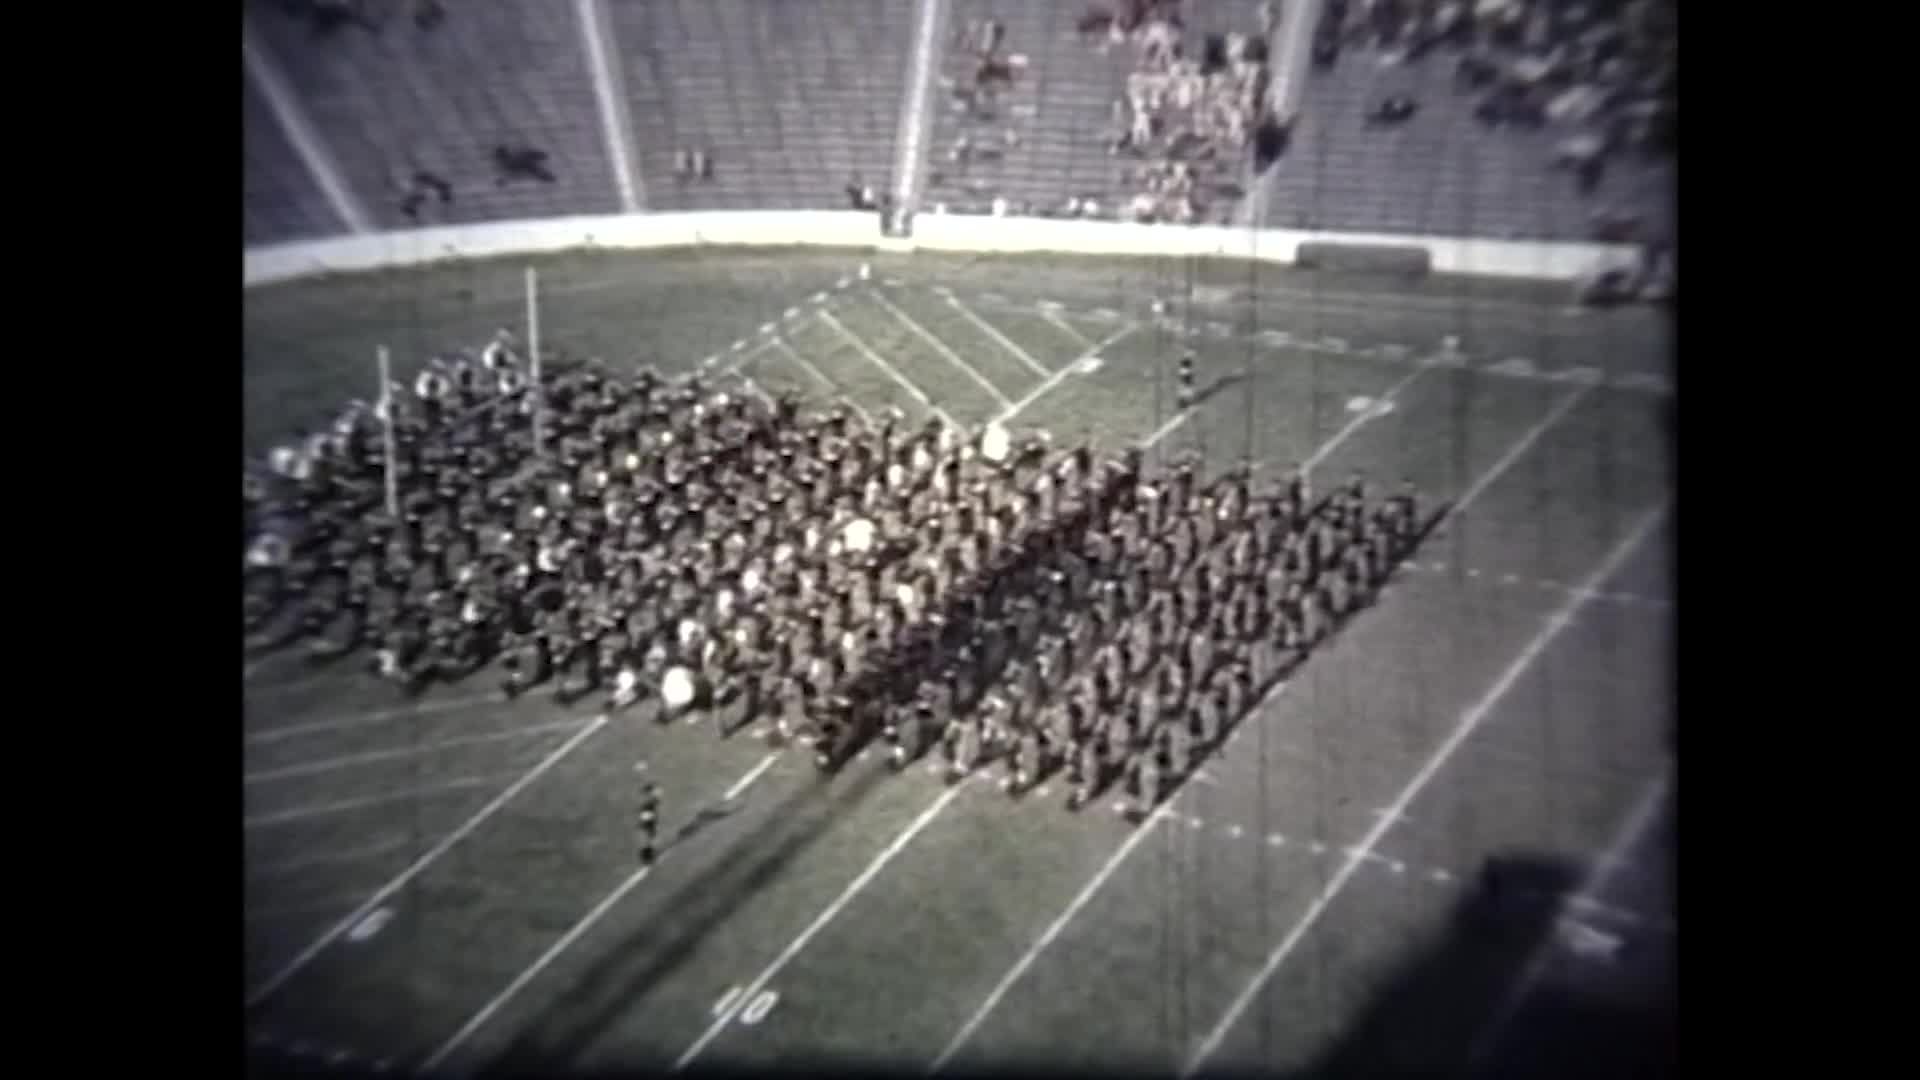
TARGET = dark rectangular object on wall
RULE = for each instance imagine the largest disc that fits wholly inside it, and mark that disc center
(1392, 259)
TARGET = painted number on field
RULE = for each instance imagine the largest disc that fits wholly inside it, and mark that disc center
(755, 1011)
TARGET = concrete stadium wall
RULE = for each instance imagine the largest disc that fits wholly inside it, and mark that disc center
(931, 232)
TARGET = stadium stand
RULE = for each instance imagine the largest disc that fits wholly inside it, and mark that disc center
(1499, 119)
(395, 99)
(788, 100)
(279, 201)
(1042, 140)
(1495, 114)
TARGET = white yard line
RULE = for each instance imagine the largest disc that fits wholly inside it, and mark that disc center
(746, 781)
(374, 757)
(400, 880)
(881, 362)
(1066, 328)
(1168, 808)
(1632, 828)
(813, 369)
(1526, 442)
(270, 871)
(1005, 342)
(819, 923)
(586, 922)
(301, 813)
(954, 358)
(479, 1019)
(1469, 722)
(424, 708)
(1061, 375)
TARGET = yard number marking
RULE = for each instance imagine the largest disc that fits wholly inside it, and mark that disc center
(756, 1010)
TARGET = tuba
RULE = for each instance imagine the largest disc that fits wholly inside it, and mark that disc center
(431, 385)
(269, 551)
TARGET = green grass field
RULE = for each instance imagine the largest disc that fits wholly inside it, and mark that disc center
(1510, 693)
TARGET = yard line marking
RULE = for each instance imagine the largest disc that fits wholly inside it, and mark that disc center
(819, 923)
(586, 922)
(270, 871)
(1060, 376)
(400, 880)
(940, 347)
(1005, 342)
(1353, 425)
(347, 761)
(296, 683)
(398, 712)
(1133, 840)
(881, 363)
(1632, 828)
(1167, 429)
(1066, 327)
(1469, 721)
(252, 917)
(746, 781)
(813, 369)
(1526, 442)
(283, 817)
(479, 1019)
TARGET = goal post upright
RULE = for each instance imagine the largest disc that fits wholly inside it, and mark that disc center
(388, 452)
(535, 387)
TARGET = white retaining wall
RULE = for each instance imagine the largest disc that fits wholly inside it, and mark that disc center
(931, 232)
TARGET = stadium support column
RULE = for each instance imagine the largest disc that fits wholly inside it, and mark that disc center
(1292, 52)
(930, 18)
(306, 140)
(610, 98)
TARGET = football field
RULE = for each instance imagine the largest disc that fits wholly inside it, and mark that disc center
(451, 882)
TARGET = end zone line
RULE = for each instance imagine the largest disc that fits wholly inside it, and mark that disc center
(880, 362)
(1469, 722)
(400, 880)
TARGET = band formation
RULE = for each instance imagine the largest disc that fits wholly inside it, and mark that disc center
(690, 553)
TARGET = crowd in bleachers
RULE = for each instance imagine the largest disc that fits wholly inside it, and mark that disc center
(1192, 117)
(1191, 110)
(1599, 74)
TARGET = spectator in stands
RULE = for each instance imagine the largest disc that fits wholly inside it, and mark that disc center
(425, 185)
(1392, 111)
(327, 17)
(692, 165)
(861, 196)
(513, 163)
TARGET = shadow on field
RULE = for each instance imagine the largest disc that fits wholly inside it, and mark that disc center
(1437, 1008)
(581, 1013)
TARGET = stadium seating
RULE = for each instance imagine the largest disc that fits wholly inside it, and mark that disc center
(1060, 108)
(792, 99)
(789, 99)
(1443, 173)
(279, 202)
(404, 98)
